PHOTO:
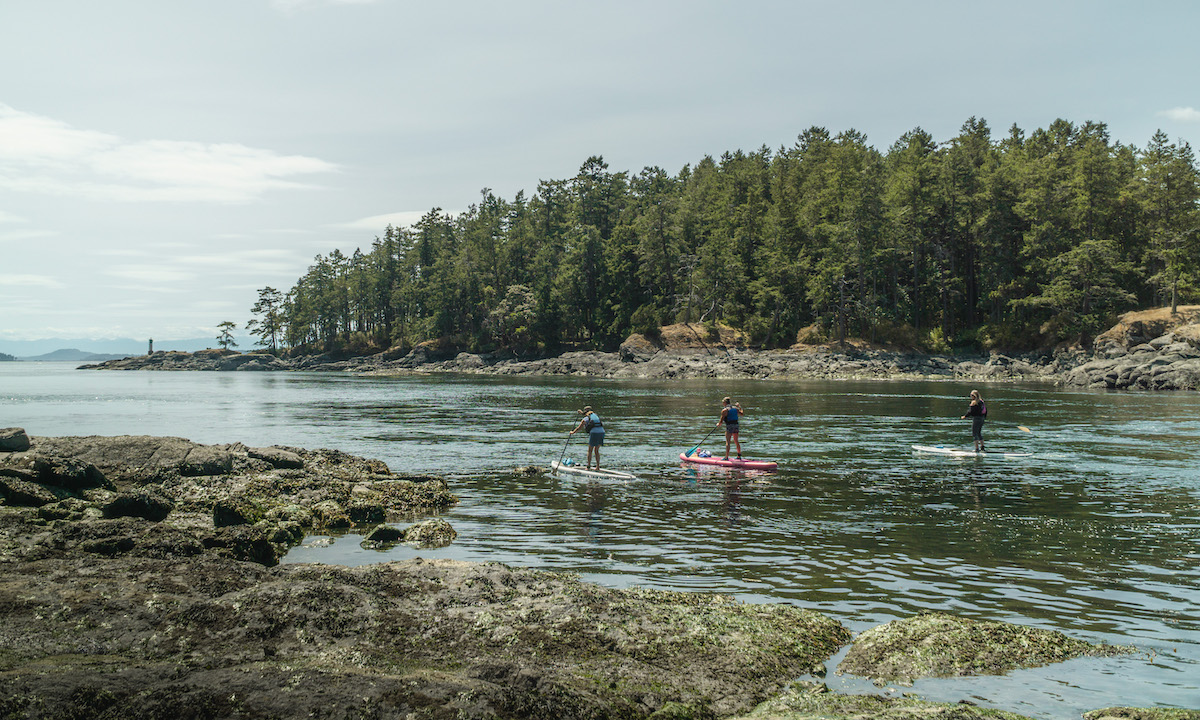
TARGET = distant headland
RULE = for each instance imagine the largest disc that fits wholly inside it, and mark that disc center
(1147, 350)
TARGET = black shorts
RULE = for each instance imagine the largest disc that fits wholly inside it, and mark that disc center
(731, 429)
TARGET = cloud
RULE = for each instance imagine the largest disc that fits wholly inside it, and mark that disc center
(19, 235)
(289, 6)
(42, 281)
(10, 218)
(1182, 114)
(149, 275)
(47, 156)
(377, 223)
(249, 262)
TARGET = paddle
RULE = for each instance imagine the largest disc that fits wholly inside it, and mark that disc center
(564, 452)
(1022, 428)
(710, 432)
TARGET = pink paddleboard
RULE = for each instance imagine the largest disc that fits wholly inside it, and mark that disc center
(733, 463)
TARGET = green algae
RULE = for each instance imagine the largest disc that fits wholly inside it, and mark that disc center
(1133, 713)
(814, 701)
(941, 645)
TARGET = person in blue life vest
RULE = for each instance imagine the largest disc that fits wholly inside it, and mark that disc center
(730, 415)
(977, 411)
(595, 430)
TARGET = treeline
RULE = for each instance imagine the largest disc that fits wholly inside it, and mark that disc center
(977, 242)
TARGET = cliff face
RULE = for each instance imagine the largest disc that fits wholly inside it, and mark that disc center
(1145, 350)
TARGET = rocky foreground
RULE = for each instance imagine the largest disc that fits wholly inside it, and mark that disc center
(1148, 350)
(139, 578)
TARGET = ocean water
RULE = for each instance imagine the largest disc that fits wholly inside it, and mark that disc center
(1097, 534)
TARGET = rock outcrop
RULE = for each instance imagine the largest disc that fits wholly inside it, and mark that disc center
(249, 503)
(1145, 350)
(940, 645)
(1129, 356)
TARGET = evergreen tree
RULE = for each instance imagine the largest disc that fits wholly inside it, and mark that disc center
(1170, 190)
(269, 321)
(225, 336)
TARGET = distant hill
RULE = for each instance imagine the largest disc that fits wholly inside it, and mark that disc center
(6, 358)
(119, 347)
(73, 355)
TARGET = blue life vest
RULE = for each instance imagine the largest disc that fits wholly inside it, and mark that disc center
(592, 421)
(731, 415)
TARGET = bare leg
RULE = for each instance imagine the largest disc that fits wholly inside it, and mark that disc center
(727, 436)
(597, 457)
(738, 440)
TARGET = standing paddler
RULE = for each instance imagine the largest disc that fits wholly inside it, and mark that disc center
(977, 411)
(595, 430)
(730, 415)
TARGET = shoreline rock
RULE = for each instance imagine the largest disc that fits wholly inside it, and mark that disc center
(637, 363)
(936, 644)
(1146, 350)
(1169, 366)
(245, 503)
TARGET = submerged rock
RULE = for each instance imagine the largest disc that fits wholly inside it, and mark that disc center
(382, 536)
(941, 645)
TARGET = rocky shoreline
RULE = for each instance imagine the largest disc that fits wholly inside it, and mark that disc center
(140, 579)
(1145, 351)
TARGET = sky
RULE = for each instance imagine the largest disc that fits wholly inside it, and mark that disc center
(162, 161)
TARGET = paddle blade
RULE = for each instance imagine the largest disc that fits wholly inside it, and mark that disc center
(1022, 428)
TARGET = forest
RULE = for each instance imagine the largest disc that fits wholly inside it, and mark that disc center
(974, 243)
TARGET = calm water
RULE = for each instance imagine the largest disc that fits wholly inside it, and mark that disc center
(1097, 535)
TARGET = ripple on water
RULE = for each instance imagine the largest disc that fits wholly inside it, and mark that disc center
(1096, 535)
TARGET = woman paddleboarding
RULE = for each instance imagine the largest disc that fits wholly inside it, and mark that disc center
(595, 430)
(977, 411)
(730, 415)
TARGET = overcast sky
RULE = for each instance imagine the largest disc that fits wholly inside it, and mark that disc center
(161, 161)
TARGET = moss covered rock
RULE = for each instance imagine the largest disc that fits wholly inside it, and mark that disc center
(147, 503)
(432, 533)
(1133, 713)
(807, 701)
(209, 637)
(382, 535)
(942, 645)
(235, 511)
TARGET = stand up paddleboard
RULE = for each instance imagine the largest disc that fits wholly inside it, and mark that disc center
(557, 468)
(732, 462)
(955, 452)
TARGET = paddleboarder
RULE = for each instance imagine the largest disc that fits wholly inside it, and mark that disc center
(977, 411)
(730, 415)
(595, 430)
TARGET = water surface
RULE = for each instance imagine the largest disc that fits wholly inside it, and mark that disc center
(1096, 535)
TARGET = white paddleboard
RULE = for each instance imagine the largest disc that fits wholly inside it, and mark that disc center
(955, 452)
(557, 468)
